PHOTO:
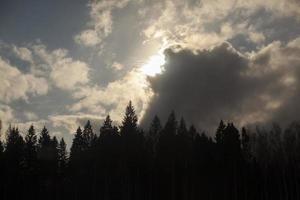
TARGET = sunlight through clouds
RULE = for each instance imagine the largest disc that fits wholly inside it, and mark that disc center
(154, 65)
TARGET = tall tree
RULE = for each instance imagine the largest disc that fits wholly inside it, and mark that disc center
(14, 148)
(106, 128)
(245, 142)
(77, 146)
(155, 127)
(47, 154)
(14, 160)
(220, 133)
(62, 156)
(171, 125)
(129, 123)
(89, 137)
(31, 148)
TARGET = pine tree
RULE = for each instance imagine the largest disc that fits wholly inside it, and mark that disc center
(14, 149)
(54, 150)
(44, 139)
(129, 123)
(47, 154)
(89, 137)
(1, 149)
(154, 134)
(182, 130)
(231, 140)
(155, 127)
(171, 125)
(106, 128)
(62, 156)
(220, 133)
(31, 149)
(14, 163)
(192, 131)
(245, 142)
(77, 146)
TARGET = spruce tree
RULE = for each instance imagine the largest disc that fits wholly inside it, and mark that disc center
(62, 156)
(77, 146)
(89, 137)
(31, 149)
(129, 123)
(155, 127)
(220, 133)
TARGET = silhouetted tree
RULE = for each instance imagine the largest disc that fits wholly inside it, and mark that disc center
(31, 149)
(170, 162)
(77, 146)
(62, 156)
(89, 137)
(220, 133)
(14, 160)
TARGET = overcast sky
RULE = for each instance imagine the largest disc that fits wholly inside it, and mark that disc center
(64, 61)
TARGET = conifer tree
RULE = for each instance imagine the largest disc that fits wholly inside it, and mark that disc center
(155, 127)
(182, 130)
(220, 133)
(31, 149)
(62, 156)
(89, 137)
(77, 146)
(14, 149)
(129, 123)
(106, 128)
(171, 125)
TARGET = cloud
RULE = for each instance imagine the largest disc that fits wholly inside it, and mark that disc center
(71, 122)
(64, 72)
(114, 97)
(208, 23)
(6, 115)
(205, 86)
(88, 38)
(23, 53)
(15, 85)
(67, 73)
(101, 22)
(30, 115)
(117, 66)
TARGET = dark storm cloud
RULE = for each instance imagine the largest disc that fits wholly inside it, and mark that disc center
(221, 83)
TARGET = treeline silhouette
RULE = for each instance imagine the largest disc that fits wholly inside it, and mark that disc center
(170, 162)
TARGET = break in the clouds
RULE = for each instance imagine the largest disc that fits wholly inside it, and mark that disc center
(230, 59)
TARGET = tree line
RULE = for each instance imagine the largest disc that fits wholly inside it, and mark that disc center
(167, 162)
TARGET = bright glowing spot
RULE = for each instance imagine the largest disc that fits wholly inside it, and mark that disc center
(154, 65)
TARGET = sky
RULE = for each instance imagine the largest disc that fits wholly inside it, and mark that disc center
(64, 61)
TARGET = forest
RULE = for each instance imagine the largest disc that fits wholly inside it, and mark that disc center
(166, 162)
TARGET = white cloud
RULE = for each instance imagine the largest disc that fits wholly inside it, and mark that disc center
(114, 98)
(88, 38)
(71, 122)
(14, 84)
(207, 23)
(6, 116)
(63, 71)
(66, 73)
(117, 66)
(23, 53)
(30, 115)
(101, 22)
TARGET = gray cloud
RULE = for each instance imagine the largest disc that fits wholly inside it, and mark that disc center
(205, 86)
